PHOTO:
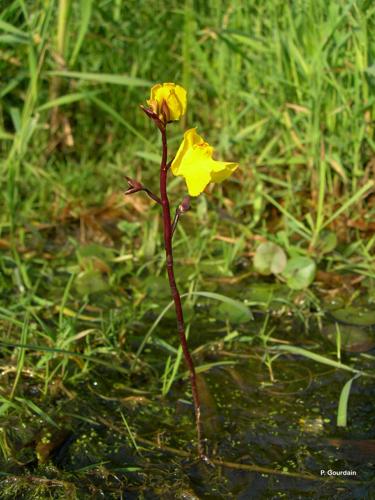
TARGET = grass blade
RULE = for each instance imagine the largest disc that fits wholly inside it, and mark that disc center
(86, 9)
(342, 410)
(298, 226)
(120, 119)
(128, 81)
(168, 381)
(131, 435)
(35, 409)
(32, 347)
(299, 351)
(9, 28)
(357, 196)
(66, 99)
(21, 356)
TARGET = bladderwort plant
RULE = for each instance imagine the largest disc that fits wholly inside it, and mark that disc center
(194, 162)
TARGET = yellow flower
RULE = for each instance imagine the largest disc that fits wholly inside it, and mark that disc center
(168, 101)
(194, 162)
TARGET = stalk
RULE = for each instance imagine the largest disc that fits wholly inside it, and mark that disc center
(168, 233)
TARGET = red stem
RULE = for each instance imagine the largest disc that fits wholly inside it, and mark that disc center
(167, 227)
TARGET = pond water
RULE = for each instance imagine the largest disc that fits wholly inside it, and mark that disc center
(269, 421)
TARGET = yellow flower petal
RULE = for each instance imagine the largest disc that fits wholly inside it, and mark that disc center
(168, 100)
(197, 181)
(191, 139)
(194, 162)
(226, 170)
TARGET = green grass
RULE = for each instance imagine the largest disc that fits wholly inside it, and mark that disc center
(284, 88)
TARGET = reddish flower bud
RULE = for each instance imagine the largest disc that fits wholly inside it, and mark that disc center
(134, 186)
(184, 205)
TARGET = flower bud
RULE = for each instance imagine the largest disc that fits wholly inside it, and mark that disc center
(133, 186)
(184, 206)
(168, 101)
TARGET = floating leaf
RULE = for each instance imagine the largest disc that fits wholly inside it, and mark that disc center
(299, 272)
(156, 287)
(90, 281)
(354, 315)
(353, 337)
(95, 250)
(269, 259)
(327, 241)
(271, 296)
(226, 311)
(235, 306)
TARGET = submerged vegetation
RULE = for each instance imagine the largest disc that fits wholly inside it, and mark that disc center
(276, 265)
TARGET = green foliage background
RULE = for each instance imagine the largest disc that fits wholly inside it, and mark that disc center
(279, 86)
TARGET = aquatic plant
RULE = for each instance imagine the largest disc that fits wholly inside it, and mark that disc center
(195, 164)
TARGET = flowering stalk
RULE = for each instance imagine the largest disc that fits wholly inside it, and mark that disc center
(168, 233)
(168, 230)
(194, 162)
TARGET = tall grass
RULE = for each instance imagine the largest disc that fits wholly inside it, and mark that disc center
(287, 85)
